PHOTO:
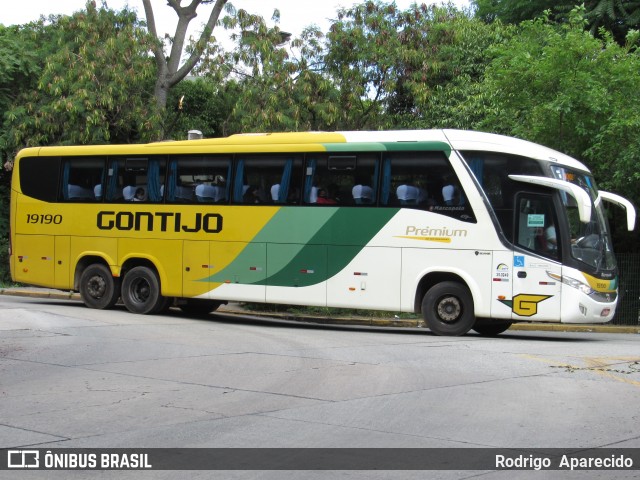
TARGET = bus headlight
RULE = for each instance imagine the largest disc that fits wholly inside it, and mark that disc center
(605, 297)
(572, 282)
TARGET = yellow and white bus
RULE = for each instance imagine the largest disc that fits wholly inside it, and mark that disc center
(473, 230)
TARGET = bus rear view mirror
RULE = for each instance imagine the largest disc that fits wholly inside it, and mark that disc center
(582, 198)
(621, 202)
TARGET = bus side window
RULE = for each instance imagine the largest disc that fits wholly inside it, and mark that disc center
(423, 180)
(267, 179)
(198, 179)
(537, 230)
(342, 179)
(80, 177)
(408, 180)
(134, 179)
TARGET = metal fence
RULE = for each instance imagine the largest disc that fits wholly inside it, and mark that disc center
(628, 311)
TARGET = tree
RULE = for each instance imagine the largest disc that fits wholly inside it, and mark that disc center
(276, 82)
(562, 87)
(516, 11)
(19, 64)
(408, 69)
(93, 76)
(200, 104)
(615, 16)
(169, 70)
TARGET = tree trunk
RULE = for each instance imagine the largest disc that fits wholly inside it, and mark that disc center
(169, 71)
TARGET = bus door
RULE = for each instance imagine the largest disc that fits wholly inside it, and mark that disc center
(536, 294)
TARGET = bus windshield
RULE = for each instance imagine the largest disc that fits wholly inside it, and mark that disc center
(590, 242)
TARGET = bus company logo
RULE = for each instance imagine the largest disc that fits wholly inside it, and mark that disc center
(525, 305)
(23, 459)
(429, 234)
(159, 221)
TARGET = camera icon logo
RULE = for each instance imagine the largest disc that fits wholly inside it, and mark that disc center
(23, 459)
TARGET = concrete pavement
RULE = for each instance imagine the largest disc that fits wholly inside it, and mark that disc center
(238, 309)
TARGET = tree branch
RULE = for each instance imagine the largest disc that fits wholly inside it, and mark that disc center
(158, 52)
(202, 41)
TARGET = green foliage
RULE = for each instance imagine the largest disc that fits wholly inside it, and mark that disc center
(86, 78)
(18, 62)
(516, 11)
(198, 104)
(617, 17)
(378, 67)
(406, 69)
(5, 276)
(94, 83)
(275, 85)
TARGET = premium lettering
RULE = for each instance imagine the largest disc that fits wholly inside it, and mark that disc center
(434, 232)
(160, 222)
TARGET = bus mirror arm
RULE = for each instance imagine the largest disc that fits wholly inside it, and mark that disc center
(582, 198)
(624, 203)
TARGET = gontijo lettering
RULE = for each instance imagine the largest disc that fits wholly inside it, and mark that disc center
(160, 221)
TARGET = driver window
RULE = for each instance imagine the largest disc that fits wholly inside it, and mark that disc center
(537, 228)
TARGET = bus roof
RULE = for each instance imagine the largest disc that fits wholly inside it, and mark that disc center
(322, 141)
(470, 140)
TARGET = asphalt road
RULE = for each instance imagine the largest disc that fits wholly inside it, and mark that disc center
(78, 378)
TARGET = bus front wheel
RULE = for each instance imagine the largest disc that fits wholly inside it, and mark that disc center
(98, 288)
(447, 309)
(141, 291)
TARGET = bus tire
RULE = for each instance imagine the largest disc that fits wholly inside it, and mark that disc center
(141, 291)
(98, 288)
(447, 309)
(200, 307)
(491, 329)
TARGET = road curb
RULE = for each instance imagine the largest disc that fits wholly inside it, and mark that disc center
(235, 309)
(44, 293)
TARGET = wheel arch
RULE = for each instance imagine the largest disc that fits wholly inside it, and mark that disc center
(142, 261)
(89, 259)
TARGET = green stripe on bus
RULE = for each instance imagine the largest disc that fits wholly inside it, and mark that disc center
(418, 147)
(350, 230)
(295, 245)
(290, 227)
(435, 146)
(354, 147)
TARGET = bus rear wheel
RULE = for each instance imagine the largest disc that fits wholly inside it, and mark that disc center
(447, 309)
(141, 291)
(98, 288)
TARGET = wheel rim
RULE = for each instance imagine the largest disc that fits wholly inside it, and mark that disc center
(140, 290)
(96, 287)
(449, 309)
